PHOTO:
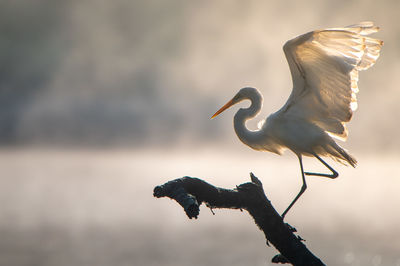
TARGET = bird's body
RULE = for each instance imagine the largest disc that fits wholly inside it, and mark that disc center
(324, 65)
(282, 131)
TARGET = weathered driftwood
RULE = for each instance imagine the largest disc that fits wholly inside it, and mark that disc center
(190, 192)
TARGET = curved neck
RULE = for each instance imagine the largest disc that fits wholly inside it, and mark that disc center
(247, 136)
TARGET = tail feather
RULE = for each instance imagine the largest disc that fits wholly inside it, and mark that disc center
(343, 156)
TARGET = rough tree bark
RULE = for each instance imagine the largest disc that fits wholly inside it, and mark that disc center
(191, 192)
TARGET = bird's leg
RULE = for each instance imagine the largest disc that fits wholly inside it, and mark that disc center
(303, 188)
(333, 175)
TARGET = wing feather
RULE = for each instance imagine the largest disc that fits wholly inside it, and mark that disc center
(324, 65)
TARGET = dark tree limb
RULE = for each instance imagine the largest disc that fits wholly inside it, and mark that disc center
(191, 192)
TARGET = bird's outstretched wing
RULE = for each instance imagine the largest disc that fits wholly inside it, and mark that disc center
(324, 65)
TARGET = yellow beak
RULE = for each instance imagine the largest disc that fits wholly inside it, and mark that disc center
(223, 108)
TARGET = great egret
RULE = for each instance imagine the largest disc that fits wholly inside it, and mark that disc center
(324, 65)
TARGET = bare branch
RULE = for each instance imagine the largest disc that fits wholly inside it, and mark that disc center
(190, 193)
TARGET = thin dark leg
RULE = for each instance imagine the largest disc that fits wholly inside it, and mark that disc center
(303, 188)
(333, 175)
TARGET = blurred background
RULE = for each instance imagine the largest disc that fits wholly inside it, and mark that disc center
(100, 101)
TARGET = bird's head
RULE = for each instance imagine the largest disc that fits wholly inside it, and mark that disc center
(243, 94)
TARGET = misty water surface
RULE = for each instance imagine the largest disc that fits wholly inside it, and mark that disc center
(69, 207)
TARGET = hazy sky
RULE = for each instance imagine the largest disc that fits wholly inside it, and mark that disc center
(150, 73)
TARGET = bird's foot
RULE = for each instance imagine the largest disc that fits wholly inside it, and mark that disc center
(291, 228)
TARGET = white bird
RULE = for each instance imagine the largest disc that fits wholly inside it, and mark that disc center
(324, 65)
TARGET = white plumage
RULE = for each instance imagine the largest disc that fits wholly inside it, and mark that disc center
(324, 65)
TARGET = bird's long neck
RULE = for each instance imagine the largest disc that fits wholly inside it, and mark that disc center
(247, 136)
